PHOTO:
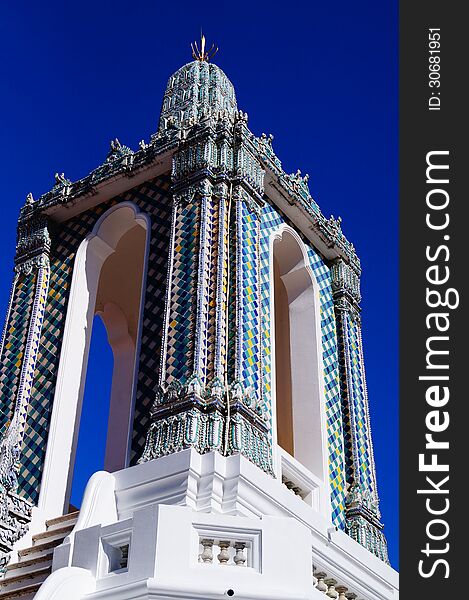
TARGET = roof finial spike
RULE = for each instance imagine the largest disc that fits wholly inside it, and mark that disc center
(203, 55)
(202, 43)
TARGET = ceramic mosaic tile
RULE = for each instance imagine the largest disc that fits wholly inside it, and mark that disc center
(194, 248)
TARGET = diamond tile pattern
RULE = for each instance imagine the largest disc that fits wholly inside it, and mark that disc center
(213, 283)
(250, 367)
(181, 322)
(250, 282)
(151, 198)
(16, 333)
(154, 200)
(271, 221)
(356, 433)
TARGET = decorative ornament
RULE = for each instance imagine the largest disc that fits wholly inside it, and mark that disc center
(203, 55)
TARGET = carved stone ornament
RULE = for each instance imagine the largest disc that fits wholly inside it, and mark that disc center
(33, 243)
(345, 281)
(15, 512)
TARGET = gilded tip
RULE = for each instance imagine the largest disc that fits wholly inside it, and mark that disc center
(201, 53)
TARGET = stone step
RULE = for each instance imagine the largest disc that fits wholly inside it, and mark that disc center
(39, 549)
(22, 579)
(52, 534)
(27, 566)
(26, 592)
(62, 521)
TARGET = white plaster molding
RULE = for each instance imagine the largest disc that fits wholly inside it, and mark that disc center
(164, 550)
(69, 387)
(316, 435)
(72, 583)
(99, 502)
(98, 508)
(234, 486)
(166, 506)
(64, 425)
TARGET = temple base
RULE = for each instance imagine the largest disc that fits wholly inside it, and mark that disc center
(205, 526)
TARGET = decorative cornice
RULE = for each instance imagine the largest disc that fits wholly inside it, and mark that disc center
(193, 394)
(359, 498)
(294, 189)
(242, 192)
(119, 158)
(363, 522)
(124, 162)
(219, 145)
(345, 282)
(206, 432)
(33, 240)
(188, 194)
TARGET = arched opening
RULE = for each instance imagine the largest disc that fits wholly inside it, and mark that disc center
(118, 305)
(91, 444)
(107, 283)
(297, 357)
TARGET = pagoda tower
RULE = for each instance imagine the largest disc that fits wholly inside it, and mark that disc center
(239, 458)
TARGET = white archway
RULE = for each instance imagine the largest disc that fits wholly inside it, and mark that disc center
(108, 280)
(298, 395)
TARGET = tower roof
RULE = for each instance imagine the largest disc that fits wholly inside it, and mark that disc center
(194, 91)
(199, 98)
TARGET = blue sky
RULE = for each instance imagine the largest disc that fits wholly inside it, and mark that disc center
(320, 76)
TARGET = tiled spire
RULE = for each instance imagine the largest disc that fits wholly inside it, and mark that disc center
(196, 90)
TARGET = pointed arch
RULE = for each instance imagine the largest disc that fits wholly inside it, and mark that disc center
(298, 393)
(108, 280)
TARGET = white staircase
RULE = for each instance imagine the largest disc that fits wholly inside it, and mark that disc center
(23, 578)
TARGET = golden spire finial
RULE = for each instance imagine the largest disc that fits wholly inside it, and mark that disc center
(202, 54)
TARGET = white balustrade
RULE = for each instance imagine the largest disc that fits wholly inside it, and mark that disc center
(331, 591)
(320, 585)
(224, 555)
(330, 587)
(206, 555)
(240, 557)
(227, 552)
(293, 487)
(341, 589)
(299, 480)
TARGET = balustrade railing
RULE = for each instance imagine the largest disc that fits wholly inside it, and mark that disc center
(224, 552)
(298, 479)
(331, 587)
(227, 549)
